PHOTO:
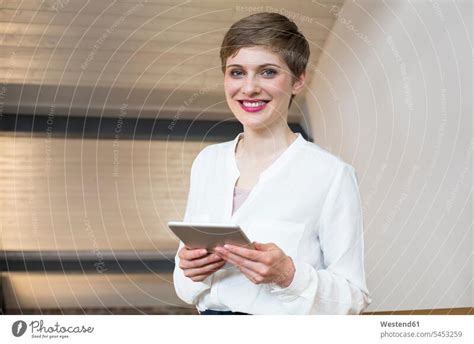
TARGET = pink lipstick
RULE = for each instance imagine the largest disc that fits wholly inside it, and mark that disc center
(253, 105)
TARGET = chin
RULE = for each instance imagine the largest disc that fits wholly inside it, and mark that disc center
(256, 124)
(256, 120)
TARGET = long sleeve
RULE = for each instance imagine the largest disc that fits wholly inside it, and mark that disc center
(186, 289)
(340, 287)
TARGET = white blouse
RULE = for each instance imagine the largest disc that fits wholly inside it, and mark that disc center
(307, 202)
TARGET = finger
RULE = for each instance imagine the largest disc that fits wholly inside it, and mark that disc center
(197, 263)
(204, 270)
(239, 261)
(200, 278)
(192, 254)
(263, 247)
(251, 275)
(245, 252)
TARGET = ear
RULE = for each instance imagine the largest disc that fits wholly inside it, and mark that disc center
(298, 84)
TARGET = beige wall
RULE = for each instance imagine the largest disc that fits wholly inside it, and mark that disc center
(392, 96)
(84, 194)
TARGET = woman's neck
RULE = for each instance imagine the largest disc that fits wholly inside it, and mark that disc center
(263, 145)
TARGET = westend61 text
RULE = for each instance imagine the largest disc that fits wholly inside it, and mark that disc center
(400, 324)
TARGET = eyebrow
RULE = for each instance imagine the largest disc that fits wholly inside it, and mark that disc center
(261, 66)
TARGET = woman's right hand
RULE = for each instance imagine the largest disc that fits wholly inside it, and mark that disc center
(197, 264)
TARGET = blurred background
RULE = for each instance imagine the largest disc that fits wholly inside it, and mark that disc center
(105, 104)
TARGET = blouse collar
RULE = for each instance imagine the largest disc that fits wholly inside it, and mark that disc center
(279, 161)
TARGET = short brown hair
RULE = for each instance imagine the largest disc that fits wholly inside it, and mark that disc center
(273, 31)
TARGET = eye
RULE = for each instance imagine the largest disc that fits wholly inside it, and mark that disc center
(236, 73)
(269, 72)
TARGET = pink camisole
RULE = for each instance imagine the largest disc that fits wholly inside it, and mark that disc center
(240, 195)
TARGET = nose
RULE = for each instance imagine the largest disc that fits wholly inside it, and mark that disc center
(250, 87)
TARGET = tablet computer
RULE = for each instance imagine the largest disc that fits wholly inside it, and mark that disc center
(209, 235)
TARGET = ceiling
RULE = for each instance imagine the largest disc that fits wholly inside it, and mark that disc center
(158, 57)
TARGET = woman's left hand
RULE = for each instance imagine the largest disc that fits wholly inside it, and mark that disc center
(267, 263)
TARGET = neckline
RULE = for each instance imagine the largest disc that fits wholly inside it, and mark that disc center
(285, 155)
(276, 162)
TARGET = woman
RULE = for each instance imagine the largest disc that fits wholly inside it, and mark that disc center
(298, 202)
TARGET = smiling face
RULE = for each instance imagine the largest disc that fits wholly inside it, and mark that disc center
(258, 87)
